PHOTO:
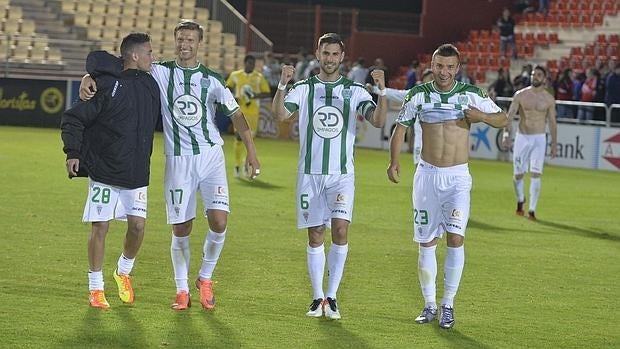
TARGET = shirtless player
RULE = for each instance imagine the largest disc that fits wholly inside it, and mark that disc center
(536, 108)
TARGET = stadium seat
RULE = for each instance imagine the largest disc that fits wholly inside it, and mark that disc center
(53, 56)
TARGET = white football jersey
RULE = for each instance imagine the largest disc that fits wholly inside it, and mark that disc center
(327, 122)
(431, 106)
(192, 96)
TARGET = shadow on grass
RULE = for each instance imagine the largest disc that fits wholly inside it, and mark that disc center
(564, 228)
(257, 183)
(336, 336)
(197, 328)
(582, 231)
(459, 340)
(98, 330)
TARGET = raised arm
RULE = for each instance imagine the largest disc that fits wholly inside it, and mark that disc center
(379, 114)
(278, 99)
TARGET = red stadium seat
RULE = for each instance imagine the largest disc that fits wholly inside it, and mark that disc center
(553, 38)
(541, 40)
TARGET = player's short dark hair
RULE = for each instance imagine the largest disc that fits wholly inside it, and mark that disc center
(447, 50)
(331, 38)
(541, 68)
(188, 24)
(249, 58)
(132, 40)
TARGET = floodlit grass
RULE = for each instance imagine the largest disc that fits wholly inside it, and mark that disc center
(549, 284)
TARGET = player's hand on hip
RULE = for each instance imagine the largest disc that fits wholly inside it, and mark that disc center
(88, 88)
(378, 76)
(393, 172)
(288, 71)
(73, 166)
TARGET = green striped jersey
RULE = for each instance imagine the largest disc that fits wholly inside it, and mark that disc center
(327, 122)
(431, 106)
(192, 96)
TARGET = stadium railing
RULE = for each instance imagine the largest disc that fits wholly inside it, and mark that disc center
(504, 102)
(234, 22)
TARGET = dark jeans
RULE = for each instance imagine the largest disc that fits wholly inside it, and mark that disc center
(504, 41)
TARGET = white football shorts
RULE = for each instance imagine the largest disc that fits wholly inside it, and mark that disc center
(323, 197)
(529, 153)
(186, 175)
(106, 202)
(440, 200)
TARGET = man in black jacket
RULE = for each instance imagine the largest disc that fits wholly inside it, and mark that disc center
(110, 139)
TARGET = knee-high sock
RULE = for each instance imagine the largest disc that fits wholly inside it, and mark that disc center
(518, 184)
(336, 259)
(453, 269)
(124, 265)
(427, 273)
(238, 149)
(212, 249)
(534, 192)
(316, 269)
(179, 251)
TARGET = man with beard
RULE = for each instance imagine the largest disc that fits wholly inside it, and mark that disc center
(536, 108)
(327, 105)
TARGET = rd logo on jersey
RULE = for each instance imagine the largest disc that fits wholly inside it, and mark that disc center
(327, 122)
(187, 110)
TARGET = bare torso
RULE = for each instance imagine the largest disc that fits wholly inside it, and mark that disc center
(446, 144)
(534, 106)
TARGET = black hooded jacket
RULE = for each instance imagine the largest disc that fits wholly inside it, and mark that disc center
(112, 133)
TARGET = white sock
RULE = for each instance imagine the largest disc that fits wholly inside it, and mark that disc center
(427, 273)
(212, 249)
(179, 251)
(534, 192)
(124, 265)
(518, 184)
(95, 280)
(316, 268)
(336, 258)
(453, 269)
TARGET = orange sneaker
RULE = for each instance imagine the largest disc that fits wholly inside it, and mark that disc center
(182, 301)
(125, 291)
(207, 299)
(97, 299)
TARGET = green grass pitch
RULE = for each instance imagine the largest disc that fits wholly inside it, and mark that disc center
(547, 284)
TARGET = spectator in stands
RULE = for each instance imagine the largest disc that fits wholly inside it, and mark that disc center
(523, 80)
(536, 110)
(543, 7)
(506, 26)
(588, 94)
(412, 74)
(612, 91)
(358, 72)
(465, 76)
(301, 65)
(345, 67)
(564, 91)
(271, 71)
(501, 87)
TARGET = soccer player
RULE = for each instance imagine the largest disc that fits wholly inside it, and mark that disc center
(441, 185)
(190, 94)
(536, 109)
(110, 139)
(248, 87)
(327, 105)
